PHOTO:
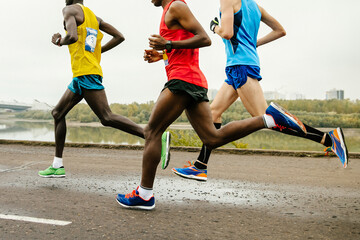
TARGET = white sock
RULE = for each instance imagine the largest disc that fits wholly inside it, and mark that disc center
(57, 163)
(269, 121)
(146, 194)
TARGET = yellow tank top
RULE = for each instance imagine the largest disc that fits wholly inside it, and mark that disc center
(86, 52)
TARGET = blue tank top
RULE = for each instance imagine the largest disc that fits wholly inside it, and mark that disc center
(241, 48)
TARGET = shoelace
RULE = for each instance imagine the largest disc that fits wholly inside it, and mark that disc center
(132, 194)
(327, 150)
(280, 127)
(190, 164)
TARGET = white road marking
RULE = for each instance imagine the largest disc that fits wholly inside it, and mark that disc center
(35, 220)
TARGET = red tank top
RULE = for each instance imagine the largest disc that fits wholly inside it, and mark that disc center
(183, 64)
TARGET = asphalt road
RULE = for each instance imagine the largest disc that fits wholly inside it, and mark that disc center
(246, 197)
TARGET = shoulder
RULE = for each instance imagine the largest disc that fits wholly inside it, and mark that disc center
(71, 10)
(178, 7)
(228, 3)
(261, 9)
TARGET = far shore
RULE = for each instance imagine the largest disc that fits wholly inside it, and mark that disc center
(177, 126)
(12, 118)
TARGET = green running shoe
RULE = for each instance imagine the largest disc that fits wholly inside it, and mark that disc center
(51, 172)
(165, 149)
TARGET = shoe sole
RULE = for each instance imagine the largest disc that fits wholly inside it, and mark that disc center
(202, 179)
(135, 207)
(343, 145)
(167, 154)
(52, 176)
(290, 116)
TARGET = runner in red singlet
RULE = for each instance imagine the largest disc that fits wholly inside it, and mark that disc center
(183, 64)
(180, 37)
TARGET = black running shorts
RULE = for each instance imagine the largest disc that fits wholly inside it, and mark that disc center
(199, 94)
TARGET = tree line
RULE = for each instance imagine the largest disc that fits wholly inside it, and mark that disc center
(317, 113)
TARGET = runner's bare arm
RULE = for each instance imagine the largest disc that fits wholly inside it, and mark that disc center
(117, 36)
(226, 29)
(152, 56)
(70, 24)
(277, 30)
(181, 17)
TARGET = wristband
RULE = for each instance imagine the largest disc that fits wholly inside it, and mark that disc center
(213, 24)
(168, 46)
(58, 42)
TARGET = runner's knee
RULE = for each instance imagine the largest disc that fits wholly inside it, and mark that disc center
(148, 132)
(56, 114)
(151, 132)
(105, 120)
(210, 142)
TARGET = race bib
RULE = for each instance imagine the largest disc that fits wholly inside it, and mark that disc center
(165, 58)
(91, 38)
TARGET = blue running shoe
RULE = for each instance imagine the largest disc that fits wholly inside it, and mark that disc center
(283, 119)
(339, 146)
(134, 201)
(191, 172)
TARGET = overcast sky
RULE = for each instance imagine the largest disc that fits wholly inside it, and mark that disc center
(320, 52)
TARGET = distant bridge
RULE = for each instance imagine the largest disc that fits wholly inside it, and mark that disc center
(15, 106)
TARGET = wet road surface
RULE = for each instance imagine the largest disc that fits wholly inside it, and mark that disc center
(246, 197)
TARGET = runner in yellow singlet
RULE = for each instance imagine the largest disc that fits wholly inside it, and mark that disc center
(83, 37)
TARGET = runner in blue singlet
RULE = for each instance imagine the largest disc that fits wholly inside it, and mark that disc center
(240, 22)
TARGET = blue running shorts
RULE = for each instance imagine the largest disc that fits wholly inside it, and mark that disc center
(237, 75)
(92, 82)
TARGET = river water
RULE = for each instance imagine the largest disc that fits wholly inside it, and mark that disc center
(264, 139)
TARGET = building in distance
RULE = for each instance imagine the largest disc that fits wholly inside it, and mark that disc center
(335, 94)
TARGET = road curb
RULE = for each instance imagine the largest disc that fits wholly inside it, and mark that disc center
(185, 149)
